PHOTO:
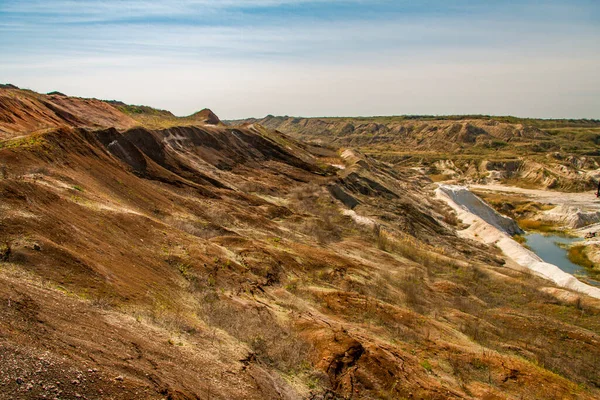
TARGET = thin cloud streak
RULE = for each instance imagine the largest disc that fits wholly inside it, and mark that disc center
(312, 40)
(259, 57)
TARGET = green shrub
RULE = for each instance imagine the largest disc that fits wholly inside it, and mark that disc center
(576, 255)
(5, 251)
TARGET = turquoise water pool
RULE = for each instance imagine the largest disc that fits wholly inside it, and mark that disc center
(549, 249)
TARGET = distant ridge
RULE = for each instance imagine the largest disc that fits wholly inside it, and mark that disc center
(24, 111)
(207, 116)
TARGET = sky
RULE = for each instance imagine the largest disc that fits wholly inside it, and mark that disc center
(250, 58)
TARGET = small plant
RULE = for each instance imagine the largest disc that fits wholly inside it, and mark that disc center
(292, 286)
(380, 238)
(519, 239)
(23, 142)
(426, 365)
(451, 219)
(5, 251)
(478, 364)
(78, 188)
(184, 270)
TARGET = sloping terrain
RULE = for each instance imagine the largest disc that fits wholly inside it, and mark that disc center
(216, 262)
(156, 119)
(421, 134)
(24, 111)
(555, 154)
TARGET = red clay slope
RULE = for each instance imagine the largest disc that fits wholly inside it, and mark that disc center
(23, 111)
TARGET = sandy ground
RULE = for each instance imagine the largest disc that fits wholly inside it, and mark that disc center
(587, 201)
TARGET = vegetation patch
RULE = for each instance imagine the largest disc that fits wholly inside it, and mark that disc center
(426, 365)
(520, 239)
(577, 255)
(440, 177)
(5, 251)
(29, 141)
(536, 225)
(273, 342)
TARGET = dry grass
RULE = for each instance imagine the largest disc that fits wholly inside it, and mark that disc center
(201, 228)
(324, 222)
(536, 225)
(273, 342)
(514, 205)
(323, 228)
(413, 288)
(440, 177)
(410, 248)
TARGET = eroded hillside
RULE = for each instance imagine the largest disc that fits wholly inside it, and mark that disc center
(209, 261)
(24, 111)
(554, 154)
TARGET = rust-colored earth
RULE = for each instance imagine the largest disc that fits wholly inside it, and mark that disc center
(209, 261)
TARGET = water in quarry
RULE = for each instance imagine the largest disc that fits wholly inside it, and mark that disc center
(553, 249)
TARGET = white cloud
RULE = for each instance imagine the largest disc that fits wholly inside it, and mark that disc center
(78, 11)
(424, 64)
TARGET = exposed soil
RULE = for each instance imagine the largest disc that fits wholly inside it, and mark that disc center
(559, 155)
(218, 262)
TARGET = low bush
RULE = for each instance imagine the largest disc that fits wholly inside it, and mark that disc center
(519, 239)
(5, 251)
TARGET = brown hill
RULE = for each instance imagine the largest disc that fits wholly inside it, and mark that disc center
(429, 134)
(237, 263)
(206, 116)
(23, 111)
(157, 119)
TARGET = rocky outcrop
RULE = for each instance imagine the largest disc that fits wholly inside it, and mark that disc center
(570, 216)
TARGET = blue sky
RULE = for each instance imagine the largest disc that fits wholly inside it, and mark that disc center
(538, 58)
